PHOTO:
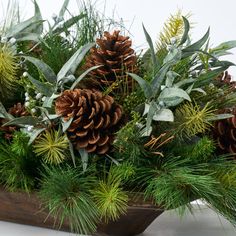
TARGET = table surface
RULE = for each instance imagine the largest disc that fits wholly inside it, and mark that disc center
(204, 222)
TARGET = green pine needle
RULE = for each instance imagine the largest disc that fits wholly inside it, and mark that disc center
(52, 146)
(191, 119)
(8, 71)
(65, 192)
(18, 165)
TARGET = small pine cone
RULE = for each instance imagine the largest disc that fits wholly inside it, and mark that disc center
(226, 79)
(95, 117)
(114, 52)
(17, 110)
(224, 133)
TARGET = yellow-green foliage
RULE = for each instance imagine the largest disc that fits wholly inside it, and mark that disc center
(52, 147)
(173, 28)
(8, 70)
(191, 119)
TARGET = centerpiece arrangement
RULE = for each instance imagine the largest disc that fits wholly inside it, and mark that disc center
(91, 128)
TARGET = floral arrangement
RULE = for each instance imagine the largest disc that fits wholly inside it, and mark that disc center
(88, 123)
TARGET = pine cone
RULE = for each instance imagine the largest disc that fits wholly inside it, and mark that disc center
(17, 110)
(114, 52)
(224, 133)
(95, 117)
(226, 79)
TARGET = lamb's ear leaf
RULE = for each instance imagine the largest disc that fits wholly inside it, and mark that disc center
(186, 30)
(172, 93)
(45, 69)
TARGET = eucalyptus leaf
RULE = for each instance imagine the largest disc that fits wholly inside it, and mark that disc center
(170, 77)
(159, 77)
(83, 75)
(4, 113)
(189, 50)
(67, 24)
(200, 90)
(72, 152)
(224, 46)
(49, 100)
(27, 37)
(206, 78)
(66, 125)
(34, 134)
(145, 86)
(44, 88)
(174, 55)
(152, 110)
(72, 64)
(47, 72)
(24, 120)
(184, 82)
(84, 158)
(152, 51)
(186, 31)
(27, 25)
(220, 117)
(63, 8)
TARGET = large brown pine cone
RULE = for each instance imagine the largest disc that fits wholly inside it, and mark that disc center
(17, 110)
(224, 133)
(95, 117)
(114, 52)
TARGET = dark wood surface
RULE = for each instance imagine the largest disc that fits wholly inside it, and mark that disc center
(23, 208)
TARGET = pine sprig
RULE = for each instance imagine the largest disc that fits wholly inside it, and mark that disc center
(173, 28)
(66, 192)
(191, 119)
(18, 165)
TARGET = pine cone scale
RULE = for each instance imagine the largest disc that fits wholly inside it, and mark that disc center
(93, 120)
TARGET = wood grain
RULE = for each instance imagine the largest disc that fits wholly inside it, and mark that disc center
(20, 207)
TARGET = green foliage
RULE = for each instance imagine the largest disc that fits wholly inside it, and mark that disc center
(132, 101)
(8, 71)
(191, 119)
(90, 26)
(109, 195)
(223, 168)
(176, 182)
(127, 140)
(173, 28)
(197, 150)
(66, 193)
(52, 146)
(52, 46)
(18, 165)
